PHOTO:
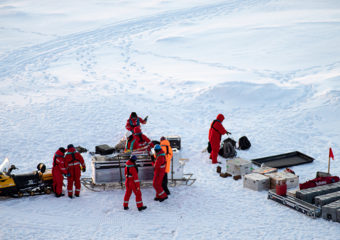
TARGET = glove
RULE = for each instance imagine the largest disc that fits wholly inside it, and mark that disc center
(228, 133)
(83, 169)
(146, 118)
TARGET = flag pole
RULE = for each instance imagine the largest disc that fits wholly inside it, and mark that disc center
(329, 163)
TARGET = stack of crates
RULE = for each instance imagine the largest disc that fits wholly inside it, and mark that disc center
(309, 194)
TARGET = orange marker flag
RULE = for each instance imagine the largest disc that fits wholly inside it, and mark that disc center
(331, 153)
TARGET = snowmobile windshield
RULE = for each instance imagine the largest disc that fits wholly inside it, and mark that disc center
(4, 166)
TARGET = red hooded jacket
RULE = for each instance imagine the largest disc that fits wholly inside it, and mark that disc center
(216, 131)
(131, 123)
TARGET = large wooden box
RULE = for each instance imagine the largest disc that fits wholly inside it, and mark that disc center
(290, 179)
(256, 181)
(238, 166)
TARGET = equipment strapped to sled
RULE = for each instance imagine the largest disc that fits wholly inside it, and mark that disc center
(108, 171)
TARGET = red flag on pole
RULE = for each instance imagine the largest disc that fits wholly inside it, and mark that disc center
(331, 153)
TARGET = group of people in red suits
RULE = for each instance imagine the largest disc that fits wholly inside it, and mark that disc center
(162, 159)
(67, 162)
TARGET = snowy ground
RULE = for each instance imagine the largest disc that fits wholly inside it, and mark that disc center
(73, 72)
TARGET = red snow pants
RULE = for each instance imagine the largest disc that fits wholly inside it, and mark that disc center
(215, 148)
(57, 181)
(74, 179)
(131, 186)
(157, 184)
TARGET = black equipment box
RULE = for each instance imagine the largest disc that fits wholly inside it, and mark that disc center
(104, 149)
(175, 141)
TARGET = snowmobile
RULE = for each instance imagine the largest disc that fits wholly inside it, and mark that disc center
(18, 185)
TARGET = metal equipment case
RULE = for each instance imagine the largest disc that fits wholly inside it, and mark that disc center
(177, 165)
(175, 141)
(256, 181)
(329, 211)
(110, 169)
(291, 179)
(238, 166)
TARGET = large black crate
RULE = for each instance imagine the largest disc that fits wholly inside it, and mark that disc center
(104, 149)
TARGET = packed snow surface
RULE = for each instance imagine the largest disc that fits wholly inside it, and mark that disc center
(73, 71)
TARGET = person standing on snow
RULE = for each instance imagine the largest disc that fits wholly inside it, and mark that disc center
(158, 175)
(134, 121)
(165, 145)
(215, 132)
(58, 169)
(74, 163)
(132, 184)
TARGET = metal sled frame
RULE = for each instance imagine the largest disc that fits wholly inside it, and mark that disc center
(187, 179)
(89, 184)
(98, 187)
(296, 204)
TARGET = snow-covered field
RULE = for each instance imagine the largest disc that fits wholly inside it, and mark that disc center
(73, 71)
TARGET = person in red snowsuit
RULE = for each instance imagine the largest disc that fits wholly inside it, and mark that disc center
(58, 169)
(73, 163)
(132, 184)
(134, 121)
(158, 175)
(140, 141)
(215, 132)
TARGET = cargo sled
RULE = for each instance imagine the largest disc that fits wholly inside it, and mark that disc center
(108, 169)
(29, 184)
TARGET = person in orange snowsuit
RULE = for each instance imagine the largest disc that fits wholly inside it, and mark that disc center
(165, 145)
(134, 121)
(158, 175)
(215, 132)
(132, 184)
(74, 163)
(58, 169)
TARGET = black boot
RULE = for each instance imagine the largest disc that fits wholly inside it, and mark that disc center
(162, 199)
(126, 208)
(156, 199)
(141, 208)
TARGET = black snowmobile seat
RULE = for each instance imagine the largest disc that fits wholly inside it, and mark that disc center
(26, 180)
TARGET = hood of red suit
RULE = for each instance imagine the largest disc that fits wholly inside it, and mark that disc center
(220, 117)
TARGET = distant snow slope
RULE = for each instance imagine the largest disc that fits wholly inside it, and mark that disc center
(73, 72)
